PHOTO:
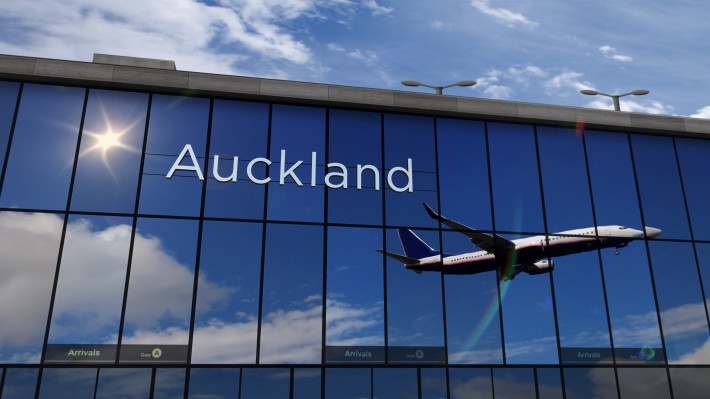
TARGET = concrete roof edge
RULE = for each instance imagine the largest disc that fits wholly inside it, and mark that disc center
(197, 83)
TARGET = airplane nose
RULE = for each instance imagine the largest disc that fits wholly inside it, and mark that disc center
(652, 232)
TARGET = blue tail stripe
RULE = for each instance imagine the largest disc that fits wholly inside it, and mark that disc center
(413, 246)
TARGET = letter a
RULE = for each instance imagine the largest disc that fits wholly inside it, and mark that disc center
(195, 166)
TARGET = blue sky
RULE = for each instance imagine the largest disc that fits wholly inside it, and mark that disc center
(542, 51)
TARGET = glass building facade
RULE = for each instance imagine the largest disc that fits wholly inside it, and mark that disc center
(251, 271)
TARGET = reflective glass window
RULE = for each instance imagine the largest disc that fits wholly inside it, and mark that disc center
(93, 265)
(682, 306)
(612, 178)
(395, 383)
(296, 134)
(659, 184)
(67, 383)
(472, 309)
(160, 290)
(110, 152)
(239, 129)
(43, 146)
(228, 293)
(19, 383)
(549, 383)
(265, 383)
(355, 311)
(8, 101)
(415, 317)
(690, 383)
(291, 320)
(174, 123)
(579, 296)
(592, 383)
(516, 185)
(355, 141)
(306, 383)
(643, 383)
(214, 383)
(703, 253)
(463, 172)
(693, 158)
(409, 137)
(433, 383)
(29, 246)
(120, 383)
(467, 383)
(564, 179)
(513, 383)
(346, 383)
(169, 383)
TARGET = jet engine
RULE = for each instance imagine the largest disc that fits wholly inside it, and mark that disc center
(540, 267)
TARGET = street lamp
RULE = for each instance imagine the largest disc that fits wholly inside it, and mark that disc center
(439, 89)
(614, 96)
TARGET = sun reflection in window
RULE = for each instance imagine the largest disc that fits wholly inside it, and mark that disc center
(108, 140)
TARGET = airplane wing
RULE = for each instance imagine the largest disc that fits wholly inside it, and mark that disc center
(493, 244)
(400, 258)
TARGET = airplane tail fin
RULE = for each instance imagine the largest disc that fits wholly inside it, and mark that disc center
(414, 246)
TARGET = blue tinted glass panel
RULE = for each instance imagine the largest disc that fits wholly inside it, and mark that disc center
(228, 293)
(395, 383)
(265, 383)
(564, 179)
(414, 302)
(612, 177)
(161, 284)
(703, 252)
(513, 383)
(433, 383)
(67, 383)
(516, 185)
(297, 133)
(292, 315)
(593, 383)
(643, 382)
(169, 383)
(659, 183)
(549, 383)
(690, 383)
(124, 383)
(8, 101)
(693, 157)
(472, 317)
(20, 384)
(344, 383)
(93, 266)
(682, 306)
(174, 123)
(29, 245)
(214, 383)
(239, 129)
(306, 383)
(470, 383)
(110, 152)
(43, 147)
(463, 172)
(354, 311)
(409, 137)
(355, 141)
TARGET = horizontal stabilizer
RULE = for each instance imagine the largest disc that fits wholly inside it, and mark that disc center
(400, 258)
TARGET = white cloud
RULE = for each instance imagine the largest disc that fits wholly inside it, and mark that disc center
(503, 15)
(368, 57)
(335, 47)
(436, 24)
(703, 112)
(651, 107)
(567, 80)
(376, 8)
(610, 52)
(498, 92)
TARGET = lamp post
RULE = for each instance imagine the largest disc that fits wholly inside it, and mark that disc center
(615, 97)
(439, 89)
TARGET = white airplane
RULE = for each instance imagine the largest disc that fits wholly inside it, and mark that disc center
(528, 255)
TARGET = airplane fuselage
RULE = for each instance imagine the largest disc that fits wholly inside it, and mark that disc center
(530, 250)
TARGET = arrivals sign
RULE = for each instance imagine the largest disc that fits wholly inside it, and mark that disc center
(337, 176)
